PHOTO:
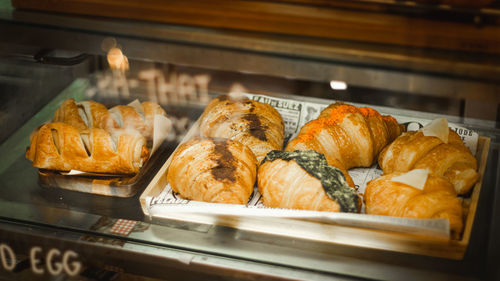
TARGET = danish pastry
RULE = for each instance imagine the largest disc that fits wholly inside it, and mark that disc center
(91, 114)
(62, 147)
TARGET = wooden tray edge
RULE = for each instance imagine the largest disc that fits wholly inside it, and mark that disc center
(482, 158)
(364, 237)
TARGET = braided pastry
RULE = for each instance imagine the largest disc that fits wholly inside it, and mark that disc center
(437, 199)
(213, 170)
(255, 124)
(450, 159)
(303, 180)
(348, 136)
(62, 147)
(91, 114)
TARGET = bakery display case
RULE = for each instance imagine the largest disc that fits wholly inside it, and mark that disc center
(59, 61)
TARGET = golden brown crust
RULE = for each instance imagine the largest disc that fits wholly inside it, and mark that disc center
(99, 116)
(255, 124)
(60, 146)
(348, 136)
(69, 113)
(128, 118)
(213, 170)
(437, 200)
(413, 150)
(91, 114)
(84, 115)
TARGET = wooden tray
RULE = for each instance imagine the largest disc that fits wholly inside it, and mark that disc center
(322, 232)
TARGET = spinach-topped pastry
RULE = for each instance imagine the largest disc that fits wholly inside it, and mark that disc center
(304, 180)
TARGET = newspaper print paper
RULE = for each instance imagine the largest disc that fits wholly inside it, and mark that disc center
(295, 114)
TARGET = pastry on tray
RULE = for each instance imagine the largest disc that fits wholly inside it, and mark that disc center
(255, 124)
(436, 148)
(347, 135)
(416, 194)
(62, 147)
(213, 170)
(91, 114)
(304, 180)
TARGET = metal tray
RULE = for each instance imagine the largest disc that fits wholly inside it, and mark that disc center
(116, 186)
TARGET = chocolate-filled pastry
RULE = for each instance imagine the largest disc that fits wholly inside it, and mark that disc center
(347, 135)
(213, 170)
(442, 153)
(62, 147)
(394, 195)
(255, 124)
(90, 114)
(304, 180)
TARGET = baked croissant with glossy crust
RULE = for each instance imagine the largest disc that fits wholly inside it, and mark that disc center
(347, 135)
(62, 147)
(437, 200)
(91, 114)
(255, 124)
(303, 180)
(452, 160)
(213, 170)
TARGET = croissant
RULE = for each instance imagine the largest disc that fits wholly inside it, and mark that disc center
(255, 124)
(452, 160)
(348, 136)
(60, 146)
(438, 199)
(213, 170)
(303, 180)
(91, 114)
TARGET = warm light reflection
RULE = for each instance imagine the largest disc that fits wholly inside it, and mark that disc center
(236, 91)
(117, 60)
(338, 85)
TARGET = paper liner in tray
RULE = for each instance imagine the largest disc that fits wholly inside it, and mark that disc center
(111, 184)
(420, 236)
